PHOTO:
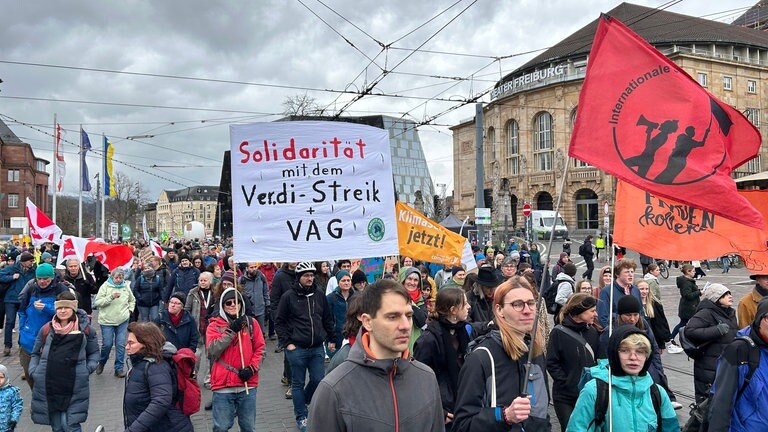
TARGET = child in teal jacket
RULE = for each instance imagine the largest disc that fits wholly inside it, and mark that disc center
(11, 402)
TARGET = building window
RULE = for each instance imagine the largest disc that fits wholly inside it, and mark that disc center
(727, 83)
(753, 165)
(751, 86)
(490, 147)
(577, 163)
(753, 114)
(13, 200)
(542, 141)
(513, 148)
(701, 77)
(13, 175)
(40, 165)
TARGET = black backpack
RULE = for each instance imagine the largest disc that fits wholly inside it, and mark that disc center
(549, 296)
(601, 404)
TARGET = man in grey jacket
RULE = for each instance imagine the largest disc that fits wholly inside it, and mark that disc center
(380, 387)
(256, 288)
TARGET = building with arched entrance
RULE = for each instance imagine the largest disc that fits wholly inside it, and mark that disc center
(530, 118)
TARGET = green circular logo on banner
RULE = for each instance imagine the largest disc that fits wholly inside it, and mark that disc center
(125, 231)
(376, 229)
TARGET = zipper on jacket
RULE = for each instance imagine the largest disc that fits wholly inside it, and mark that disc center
(311, 322)
(392, 374)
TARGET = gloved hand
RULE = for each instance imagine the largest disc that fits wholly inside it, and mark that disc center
(723, 328)
(245, 374)
(237, 325)
(11, 425)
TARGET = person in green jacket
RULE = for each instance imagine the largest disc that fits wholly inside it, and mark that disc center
(115, 301)
(632, 406)
(689, 298)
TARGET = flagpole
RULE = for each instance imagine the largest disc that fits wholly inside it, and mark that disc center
(103, 176)
(610, 309)
(544, 276)
(80, 198)
(55, 166)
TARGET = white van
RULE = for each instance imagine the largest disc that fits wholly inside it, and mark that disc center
(541, 220)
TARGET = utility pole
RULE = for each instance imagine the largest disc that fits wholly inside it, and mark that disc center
(479, 173)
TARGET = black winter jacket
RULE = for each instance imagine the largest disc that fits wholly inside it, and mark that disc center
(183, 336)
(481, 308)
(659, 325)
(702, 329)
(85, 286)
(429, 349)
(567, 357)
(282, 282)
(304, 318)
(689, 297)
(148, 293)
(148, 400)
(182, 279)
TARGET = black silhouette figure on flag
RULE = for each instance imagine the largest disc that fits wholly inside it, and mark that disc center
(684, 145)
(645, 160)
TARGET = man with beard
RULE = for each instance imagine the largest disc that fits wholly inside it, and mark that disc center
(182, 279)
(304, 322)
(84, 283)
(256, 289)
(284, 279)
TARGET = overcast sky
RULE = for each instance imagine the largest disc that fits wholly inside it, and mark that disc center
(266, 51)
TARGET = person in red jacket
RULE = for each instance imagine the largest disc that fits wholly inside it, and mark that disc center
(235, 344)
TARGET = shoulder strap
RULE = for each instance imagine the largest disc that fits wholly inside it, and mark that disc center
(579, 338)
(493, 375)
(656, 399)
(753, 361)
(601, 403)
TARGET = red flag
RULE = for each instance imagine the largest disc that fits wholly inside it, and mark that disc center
(41, 227)
(156, 249)
(112, 256)
(646, 121)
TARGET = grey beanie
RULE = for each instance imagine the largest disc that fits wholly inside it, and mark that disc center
(714, 292)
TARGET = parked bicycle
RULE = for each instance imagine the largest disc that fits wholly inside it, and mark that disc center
(663, 268)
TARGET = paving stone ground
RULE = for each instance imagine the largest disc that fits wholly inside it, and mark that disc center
(275, 413)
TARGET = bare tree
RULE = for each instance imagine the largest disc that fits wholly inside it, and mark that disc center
(301, 106)
(130, 196)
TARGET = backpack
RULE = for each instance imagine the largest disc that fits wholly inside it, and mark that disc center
(601, 404)
(699, 417)
(692, 350)
(186, 390)
(549, 296)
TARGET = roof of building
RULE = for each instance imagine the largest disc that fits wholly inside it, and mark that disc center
(755, 17)
(194, 193)
(658, 27)
(7, 136)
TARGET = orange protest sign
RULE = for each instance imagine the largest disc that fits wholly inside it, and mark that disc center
(424, 239)
(667, 229)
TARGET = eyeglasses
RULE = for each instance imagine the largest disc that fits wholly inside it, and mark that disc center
(175, 303)
(519, 305)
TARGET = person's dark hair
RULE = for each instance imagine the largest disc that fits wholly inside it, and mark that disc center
(686, 268)
(149, 335)
(448, 298)
(371, 296)
(469, 282)
(652, 266)
(523, 266)
(578, 302)
(321, 279)
(423, 270)
(210, 267)
(352, 323)
(66, 295)
(343, 261)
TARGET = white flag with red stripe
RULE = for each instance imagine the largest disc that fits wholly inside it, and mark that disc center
(41, 228)
(111, 256)
(157, 249)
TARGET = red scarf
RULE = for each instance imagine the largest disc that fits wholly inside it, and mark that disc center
(175, 319)
(415, 295)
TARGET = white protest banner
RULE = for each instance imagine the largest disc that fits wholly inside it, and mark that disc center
(311, 191)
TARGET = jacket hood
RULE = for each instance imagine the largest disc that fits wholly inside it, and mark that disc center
(362, 355)
(562, 276)
(4, 371)
(230, 293)
(716, 308)
(407, 271)
(762, 310)
(82, 319)
(619, 334)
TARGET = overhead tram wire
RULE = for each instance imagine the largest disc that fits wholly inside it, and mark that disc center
(351, 23)
(424, 23)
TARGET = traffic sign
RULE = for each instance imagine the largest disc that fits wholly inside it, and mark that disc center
(527, 210)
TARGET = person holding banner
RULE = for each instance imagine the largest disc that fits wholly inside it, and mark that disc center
(499, 361)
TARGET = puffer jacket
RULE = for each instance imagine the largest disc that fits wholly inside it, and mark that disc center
(376, 395)
(86, 362)
(85, 286)
(115, 311)
(689, 297)
(32, 320)
(14, 290)
(183, 336)
(182, 279)
(304, 318)
(567, 357)
(224, 348)
(702, 329)
(473, 410)
(148, 293)
(148, 399)
(11, 402)
(257, 290)
(338, 306)
(748, 413)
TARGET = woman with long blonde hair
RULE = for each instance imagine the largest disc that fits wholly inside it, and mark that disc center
(498, 362)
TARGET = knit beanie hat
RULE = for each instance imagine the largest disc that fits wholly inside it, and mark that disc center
(44, 270)
(570, 269)
(359, 276)
(628, 304)
(228, 276)
(456, 270)
(180, 296)
(341, 273)
(714, 292)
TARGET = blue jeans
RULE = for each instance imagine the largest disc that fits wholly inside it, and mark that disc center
(301, 360)
(59, 422)
(677, 328)
(228, 405)
(108, 336)
(148, 313)
(10, 322)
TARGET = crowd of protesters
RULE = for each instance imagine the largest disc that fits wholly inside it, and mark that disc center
(451, 346)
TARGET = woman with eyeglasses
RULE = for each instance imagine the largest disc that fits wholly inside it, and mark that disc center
(490, 394)
(572, 346)
(443, 344)
(148, 398)
(178, 326)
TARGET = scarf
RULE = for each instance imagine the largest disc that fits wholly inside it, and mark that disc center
(111, 282)
(454, 348)
(175, 319)
(67, 329)
(415, 295)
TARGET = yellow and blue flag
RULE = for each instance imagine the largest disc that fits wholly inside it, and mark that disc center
(109, 184)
